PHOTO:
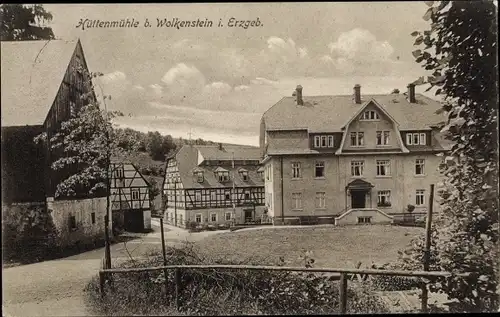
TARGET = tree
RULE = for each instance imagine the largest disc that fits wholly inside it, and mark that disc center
(21, 22)
(460, 50)
(395, 91)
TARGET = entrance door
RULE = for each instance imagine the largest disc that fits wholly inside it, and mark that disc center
(248, 216)
(358, 199)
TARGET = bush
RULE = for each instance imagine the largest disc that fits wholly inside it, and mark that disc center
(222, 292)
(29, 234)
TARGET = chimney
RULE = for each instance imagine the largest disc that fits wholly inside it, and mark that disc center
(300, 102)
(411, 93)
(357, 93)
(220, 147)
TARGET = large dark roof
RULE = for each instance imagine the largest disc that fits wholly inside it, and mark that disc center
(32, 72)
(189, 156)
(331, 113)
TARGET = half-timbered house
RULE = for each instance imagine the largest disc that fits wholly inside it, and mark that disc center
(130, 198)
(214, 185)
(42, 85)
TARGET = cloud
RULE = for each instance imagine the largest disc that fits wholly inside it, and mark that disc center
(217, 89)
(241, 88)
(113, 77)
(263, 81)
(156, 89)
(360, 44)
(138, 87)
(182, 73)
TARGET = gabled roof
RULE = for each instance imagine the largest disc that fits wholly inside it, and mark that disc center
(242, 152)
(187, 161)
(331, 113)
(220, 169)
(32, 72)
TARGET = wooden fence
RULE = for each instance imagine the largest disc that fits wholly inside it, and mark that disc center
(339, 274)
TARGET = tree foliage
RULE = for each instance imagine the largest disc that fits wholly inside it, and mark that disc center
(460, 49)
(22, 22)
(85, 145)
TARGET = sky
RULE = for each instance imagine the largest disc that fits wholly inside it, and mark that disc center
(215, 82)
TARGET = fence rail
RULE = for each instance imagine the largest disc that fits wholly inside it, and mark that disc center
(341, 273)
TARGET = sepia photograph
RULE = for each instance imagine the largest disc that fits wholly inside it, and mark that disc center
(266, 158)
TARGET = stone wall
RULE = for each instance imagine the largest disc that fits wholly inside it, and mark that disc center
(88, 225)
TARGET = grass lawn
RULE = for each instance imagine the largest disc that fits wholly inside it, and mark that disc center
(330, 246)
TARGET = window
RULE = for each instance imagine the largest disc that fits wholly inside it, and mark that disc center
(317, 141)
(198, 218)
(323, 141)
(319, 170)
(260, 173)
(422, 139)
(357, 139)
(296, 201)
(223, 176)
(382, 137)
(119, 172)
(213, 217)
(269, 200)
(330, 141)
(247, 195)
(228, 216)
(72, 222)
(370, 115)
(320, 200)
(420, 197)
(384, 198)
(135, 194)
(357, 168)
(213, 195)
(228, 195)
(244, 175)
(364, 219)
(419, 166)
(416, 139)
(268, 172)
(383, 167)
(197, 195)
(296, 170)
(199, 177)
(92, 217)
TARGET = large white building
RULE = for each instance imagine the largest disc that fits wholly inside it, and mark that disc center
(350, 159)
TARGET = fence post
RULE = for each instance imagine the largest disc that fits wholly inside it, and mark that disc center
(427, 250)
(164, 257)
(101, 283)
(343, 293)
(177, 288)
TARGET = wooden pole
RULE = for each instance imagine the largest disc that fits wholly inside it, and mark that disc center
(165, 271)
(343, 293)
(428, 237)
(177, 288)
(101, 282)
(175, 200)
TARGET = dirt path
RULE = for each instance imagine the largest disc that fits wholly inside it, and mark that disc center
(55, 288)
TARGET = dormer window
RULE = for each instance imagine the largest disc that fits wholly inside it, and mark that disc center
(260, 172)
(198, 174)
(243, 174)
(370, 115)
(416, 139)
(321, 141)
(222, 174)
